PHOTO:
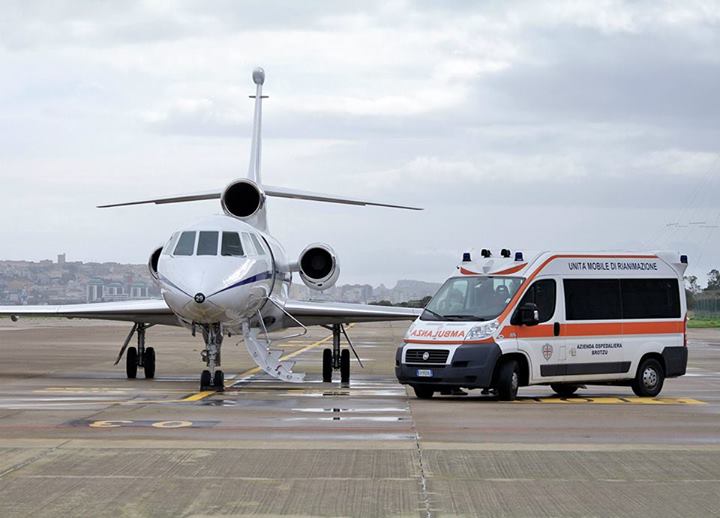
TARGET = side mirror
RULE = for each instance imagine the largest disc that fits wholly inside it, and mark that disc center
(527, 315)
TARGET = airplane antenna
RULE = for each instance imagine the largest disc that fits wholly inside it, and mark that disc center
(258, 77)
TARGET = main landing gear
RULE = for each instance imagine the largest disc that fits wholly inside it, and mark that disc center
(212, 378)
(139, 356)
(337, 359)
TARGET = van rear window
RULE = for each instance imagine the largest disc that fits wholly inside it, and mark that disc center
(650, 298)
(621, 299)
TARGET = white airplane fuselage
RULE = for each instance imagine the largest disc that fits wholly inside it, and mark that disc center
(212, 288)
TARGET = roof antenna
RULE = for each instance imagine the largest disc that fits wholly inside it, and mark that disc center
(258, 77)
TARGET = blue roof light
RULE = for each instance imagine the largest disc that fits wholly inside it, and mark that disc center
(518, 256)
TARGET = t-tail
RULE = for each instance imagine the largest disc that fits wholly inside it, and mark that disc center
(245, 198)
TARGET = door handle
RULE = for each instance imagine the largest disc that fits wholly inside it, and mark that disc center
(556, 328)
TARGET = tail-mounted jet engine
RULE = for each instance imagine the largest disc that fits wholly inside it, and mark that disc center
(242, 199)
(318, 267)
(153, 262)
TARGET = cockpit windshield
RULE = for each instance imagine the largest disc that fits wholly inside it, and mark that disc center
(205, 242)
(472, 298)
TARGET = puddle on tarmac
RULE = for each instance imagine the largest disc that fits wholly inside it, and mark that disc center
(350, 410)
(218, 402)
(381, 419)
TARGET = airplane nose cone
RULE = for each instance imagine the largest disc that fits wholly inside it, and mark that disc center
(199, 298)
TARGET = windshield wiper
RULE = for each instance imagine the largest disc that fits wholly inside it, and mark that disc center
(438, 315)
(466, 317)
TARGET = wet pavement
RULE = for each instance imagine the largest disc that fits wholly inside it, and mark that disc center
(78, 438)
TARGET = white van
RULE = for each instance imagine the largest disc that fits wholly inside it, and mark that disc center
(558, 319)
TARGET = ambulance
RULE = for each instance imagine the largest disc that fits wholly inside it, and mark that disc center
(561, 319)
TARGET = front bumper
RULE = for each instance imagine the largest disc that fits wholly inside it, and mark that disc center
(472, 366)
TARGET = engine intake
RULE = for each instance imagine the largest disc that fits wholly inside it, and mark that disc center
(242, 199)
(318, 267)
(153, 262)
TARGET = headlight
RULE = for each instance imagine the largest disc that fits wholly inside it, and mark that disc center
(482, 331)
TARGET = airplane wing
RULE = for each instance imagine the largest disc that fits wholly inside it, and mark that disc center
(153, 311)
(278, 192)
(323, 313)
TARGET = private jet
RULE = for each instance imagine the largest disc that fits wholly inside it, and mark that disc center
(226, 275)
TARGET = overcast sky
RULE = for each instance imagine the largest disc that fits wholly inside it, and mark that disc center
(528, 125)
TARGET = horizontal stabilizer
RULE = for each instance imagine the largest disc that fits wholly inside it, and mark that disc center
(277, 192)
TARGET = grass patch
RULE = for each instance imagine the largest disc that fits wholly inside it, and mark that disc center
(703, 322)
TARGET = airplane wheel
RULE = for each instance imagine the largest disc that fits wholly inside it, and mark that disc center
(327, 366)
(219, 381)
(131, 361)
(149, 363)
(205, 380)
(345, 366)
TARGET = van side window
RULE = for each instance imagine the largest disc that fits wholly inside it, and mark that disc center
(592, 299)
(542, 293)
(186, 244)
(650, 298)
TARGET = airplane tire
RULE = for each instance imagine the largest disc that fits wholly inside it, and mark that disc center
(345, 366)
(205, 380)
(131, 362)
(149, 363)
(327, 366)
(508, 381)
(219, 380)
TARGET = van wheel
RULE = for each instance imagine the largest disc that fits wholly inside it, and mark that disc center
(649, 379)
(423, 392)
(564, 390)
(508, 381)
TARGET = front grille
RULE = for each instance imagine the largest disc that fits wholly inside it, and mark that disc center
(435, 356)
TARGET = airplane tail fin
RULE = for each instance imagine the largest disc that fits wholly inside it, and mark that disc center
(258, 76)
(257, 189)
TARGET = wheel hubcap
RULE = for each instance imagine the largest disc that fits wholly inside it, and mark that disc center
(650, 378)
(514, 382)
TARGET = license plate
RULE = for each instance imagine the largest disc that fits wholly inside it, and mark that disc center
(424, 373)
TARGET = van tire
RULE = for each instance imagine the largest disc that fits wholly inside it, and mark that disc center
(423, 392)
(508, 380)
(649, 379)
(564, 389)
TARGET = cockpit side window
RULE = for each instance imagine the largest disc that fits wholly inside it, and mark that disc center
(231, 244)
(248, 245)
(186, 244)
(207, 243)
(258, 246)
(167, 250)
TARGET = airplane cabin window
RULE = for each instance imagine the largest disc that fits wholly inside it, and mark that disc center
(207, 243)
(258, 246)
(186, 244)
(231, 244)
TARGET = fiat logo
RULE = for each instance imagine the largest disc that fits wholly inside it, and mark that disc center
(426, 356)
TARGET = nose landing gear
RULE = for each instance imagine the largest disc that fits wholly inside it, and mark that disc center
(212, 378)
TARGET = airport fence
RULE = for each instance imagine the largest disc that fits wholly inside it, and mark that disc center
(707, 305)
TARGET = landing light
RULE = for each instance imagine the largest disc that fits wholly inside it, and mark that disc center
(199, 298)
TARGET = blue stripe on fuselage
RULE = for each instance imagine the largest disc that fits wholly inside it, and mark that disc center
(255, 278)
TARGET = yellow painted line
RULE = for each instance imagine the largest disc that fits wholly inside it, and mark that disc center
(198, 396)
(613, 401)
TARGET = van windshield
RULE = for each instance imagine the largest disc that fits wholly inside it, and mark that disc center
(472, 298)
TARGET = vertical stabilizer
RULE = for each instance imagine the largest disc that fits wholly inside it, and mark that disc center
(254, 168)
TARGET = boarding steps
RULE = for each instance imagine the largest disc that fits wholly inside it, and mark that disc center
(268, 359)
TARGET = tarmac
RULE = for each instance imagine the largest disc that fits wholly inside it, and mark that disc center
(79, 439)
